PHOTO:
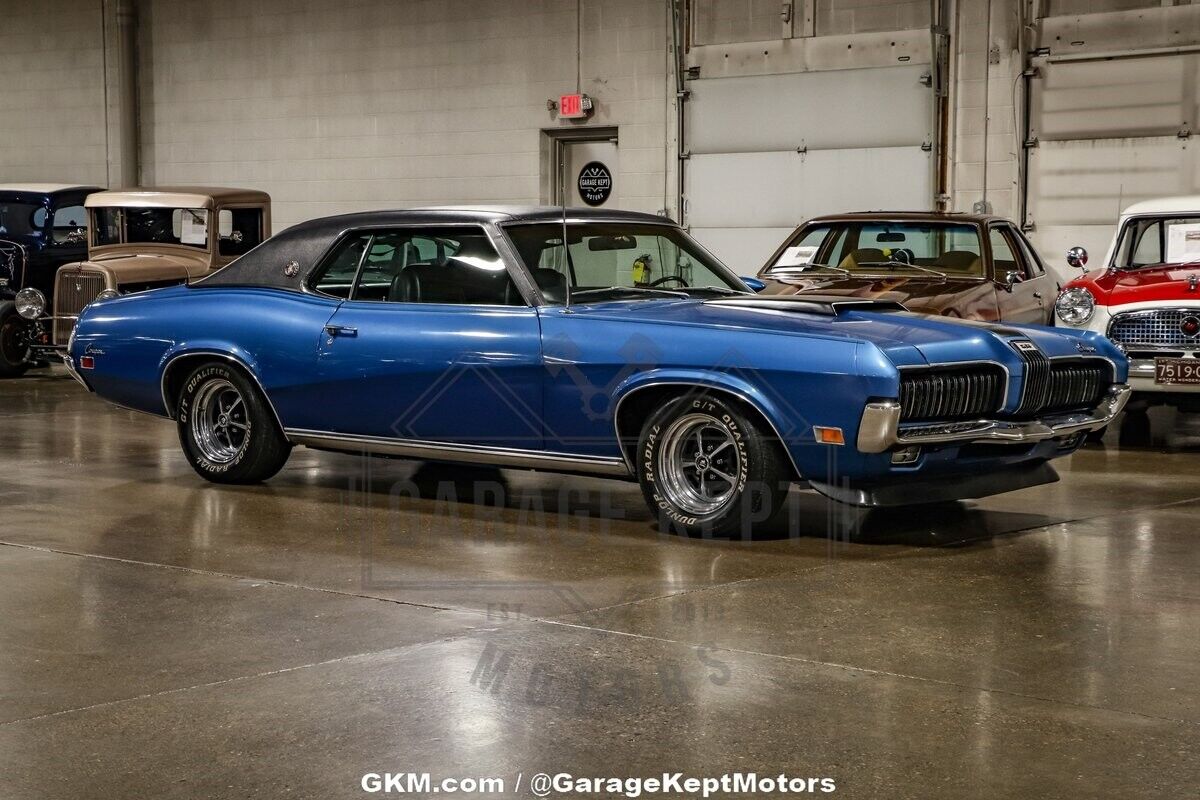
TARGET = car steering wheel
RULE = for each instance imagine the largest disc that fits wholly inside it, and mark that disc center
(666, 278)
(903, 255)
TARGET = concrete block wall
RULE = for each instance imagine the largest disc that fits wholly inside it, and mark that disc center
(361, 104)
(52, 114)
(986, 141)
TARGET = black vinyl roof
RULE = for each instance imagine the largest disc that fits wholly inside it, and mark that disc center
(306, 242)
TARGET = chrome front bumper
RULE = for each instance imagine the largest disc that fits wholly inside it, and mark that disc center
(74, 373)
(880, 428)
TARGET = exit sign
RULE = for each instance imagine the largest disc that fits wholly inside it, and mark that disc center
(574, 106)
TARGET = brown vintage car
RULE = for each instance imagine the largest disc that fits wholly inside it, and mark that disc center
(960, 265)
(140, 239)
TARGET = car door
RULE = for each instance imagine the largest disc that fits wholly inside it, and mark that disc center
(433, 343)
(1024, 300)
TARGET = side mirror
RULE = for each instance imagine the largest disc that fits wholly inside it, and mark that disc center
(1077, 257)
(1011, 279)
(754, 284)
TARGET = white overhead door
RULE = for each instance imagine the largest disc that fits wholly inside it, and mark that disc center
(1109, 133)
(769, 151)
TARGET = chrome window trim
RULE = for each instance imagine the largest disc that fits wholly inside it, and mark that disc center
(162, 380)
(464, 453)
(738, 394)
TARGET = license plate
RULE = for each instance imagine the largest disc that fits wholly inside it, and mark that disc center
(1176, 370)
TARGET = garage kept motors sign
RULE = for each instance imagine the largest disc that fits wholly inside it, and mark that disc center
(595, 183)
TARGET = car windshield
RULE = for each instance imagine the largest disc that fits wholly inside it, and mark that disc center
(181, 226)
(21, 219)
(612, 259)
(1146, 241)
(875, 247)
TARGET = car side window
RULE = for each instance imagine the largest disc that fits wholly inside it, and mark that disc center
(410, 265)
(69, 225)
(1033, 263)
(1149, 245)
(1004, 260)
(335, 277)
(239, 230)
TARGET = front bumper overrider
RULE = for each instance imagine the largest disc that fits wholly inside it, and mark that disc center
(880, 429)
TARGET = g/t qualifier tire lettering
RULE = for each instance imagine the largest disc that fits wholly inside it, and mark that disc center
(264, 450)
(743, 467)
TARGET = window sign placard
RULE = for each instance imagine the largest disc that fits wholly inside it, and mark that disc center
(193, 227)
(1183, 242)
(797, 256)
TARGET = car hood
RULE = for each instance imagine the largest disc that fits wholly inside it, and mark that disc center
(147, 267)
(906, 337)
(915, 292)
(1164, 282)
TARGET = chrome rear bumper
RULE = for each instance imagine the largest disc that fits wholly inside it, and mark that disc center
(880, 428)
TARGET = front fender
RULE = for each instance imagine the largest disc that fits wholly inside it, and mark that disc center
(794, 401)
(734, 384)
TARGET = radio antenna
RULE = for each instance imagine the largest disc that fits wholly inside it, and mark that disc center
(562, 196)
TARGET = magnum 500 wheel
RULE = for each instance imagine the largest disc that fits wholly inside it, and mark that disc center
(706, 467)
(228, 432)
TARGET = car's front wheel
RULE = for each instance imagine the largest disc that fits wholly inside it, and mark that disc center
(228, 432)
(14, 349)
(706, 467)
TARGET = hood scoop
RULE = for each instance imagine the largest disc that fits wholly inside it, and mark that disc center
(809, 304)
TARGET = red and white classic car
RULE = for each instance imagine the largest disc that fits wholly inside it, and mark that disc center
(1146, 298)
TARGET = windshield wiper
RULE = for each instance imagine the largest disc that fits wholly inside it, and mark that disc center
(718, 290)
(630, 290)
(802, 267)
(892, 264)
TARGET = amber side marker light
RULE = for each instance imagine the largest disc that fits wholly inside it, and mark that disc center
(829, 435)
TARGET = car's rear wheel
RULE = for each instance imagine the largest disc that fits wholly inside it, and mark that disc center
(14, 349)
(227, 430)
(706, 467)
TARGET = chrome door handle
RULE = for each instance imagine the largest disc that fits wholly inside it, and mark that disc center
(341, 330)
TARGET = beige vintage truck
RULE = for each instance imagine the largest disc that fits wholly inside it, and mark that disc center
(140, 239)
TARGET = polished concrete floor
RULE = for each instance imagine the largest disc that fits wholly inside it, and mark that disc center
(164, 638)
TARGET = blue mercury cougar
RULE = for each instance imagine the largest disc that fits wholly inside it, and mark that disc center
(608, 343)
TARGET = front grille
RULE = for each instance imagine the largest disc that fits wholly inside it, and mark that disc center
(1035, 388)
(1077, 385)
(12, 264)
(968, 392)
(977, 391)
(1154, 328)
(72, 292)
(1062, 384)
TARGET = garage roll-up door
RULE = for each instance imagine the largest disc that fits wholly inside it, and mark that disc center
(769, 151)
(1109, 133)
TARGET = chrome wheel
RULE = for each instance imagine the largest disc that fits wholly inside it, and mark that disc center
(699, 464)
(219, 425)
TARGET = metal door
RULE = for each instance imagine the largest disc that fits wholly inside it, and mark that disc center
(769, 151)
(574, 156)
(1104, 134)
